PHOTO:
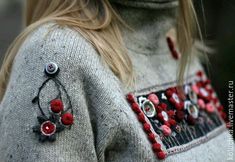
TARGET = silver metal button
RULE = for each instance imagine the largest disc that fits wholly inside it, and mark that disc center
(191, 108)
(149, 109)
(192, 95)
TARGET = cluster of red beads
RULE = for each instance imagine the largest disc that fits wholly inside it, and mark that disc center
(162, 107)
(56, 106)
(146, 126)
(211, 98)
(178, 104)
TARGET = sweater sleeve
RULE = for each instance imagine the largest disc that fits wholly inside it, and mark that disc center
(44, 96)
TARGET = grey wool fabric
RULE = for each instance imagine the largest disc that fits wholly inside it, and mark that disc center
(105, 127)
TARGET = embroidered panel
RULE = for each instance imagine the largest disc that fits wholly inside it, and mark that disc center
(179, 117)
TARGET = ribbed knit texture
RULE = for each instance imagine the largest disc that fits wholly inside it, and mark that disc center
(105, 128)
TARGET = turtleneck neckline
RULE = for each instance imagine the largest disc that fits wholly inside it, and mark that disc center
(149, 25)
(148, 4)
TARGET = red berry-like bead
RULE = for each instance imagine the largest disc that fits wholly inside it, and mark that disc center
(172, 100)
(166, 130)
(67, 119)
(48, 128)
(167, 123)
(199, 73)
(147, 127)
(160, 117)
(141, 118)
(207, 81)
(130, 97)
(159, 109)
(191, 120)
(163, 106)
(172, 122)
(154, 99)
(179, 106)
(220, 108)
(161, 155)
(156, 147)
(135, 108)
(151, 137)
(180, 115)
(56, 105)
(171, 113)
(169, 92)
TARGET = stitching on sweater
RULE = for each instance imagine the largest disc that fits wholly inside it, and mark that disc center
(197, 142)
(180, 121)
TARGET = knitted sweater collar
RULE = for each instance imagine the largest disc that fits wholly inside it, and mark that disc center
(150, 25)
(149, 4)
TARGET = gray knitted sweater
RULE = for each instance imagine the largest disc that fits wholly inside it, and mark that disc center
(110, 122)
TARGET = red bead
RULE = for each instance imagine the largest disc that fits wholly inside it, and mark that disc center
(172, 122)
(56, 105)
(141, 118)
(163, 106)
(207, 81)
(48, 128)
(151, 137)
(67, 119)
(156, 147)
(147, 127)
(172, 100)
(167, 123)
(215, 100)
(179, 106)
(199, 73)
(210, 108)
(210, 90)
(220, 108)
(161, 155)
(130, 97)
(191, 120)
(169, 93)
(159, 109)
(180, 115)
(160, 117)
(199, 84)
(154, 99)
(166, 130)
(136, 108)
(171, 113)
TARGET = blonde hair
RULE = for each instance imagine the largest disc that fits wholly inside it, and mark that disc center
(99, 24)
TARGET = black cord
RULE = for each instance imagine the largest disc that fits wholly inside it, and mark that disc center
(58, 85)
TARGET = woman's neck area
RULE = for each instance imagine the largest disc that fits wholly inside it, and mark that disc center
(150, 24)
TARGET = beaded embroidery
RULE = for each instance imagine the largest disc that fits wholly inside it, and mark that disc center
(178, 119)
(59, 117)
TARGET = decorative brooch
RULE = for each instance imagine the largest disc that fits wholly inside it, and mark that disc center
(59, 117)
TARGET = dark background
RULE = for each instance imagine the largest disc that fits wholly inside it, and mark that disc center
(217, 19)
